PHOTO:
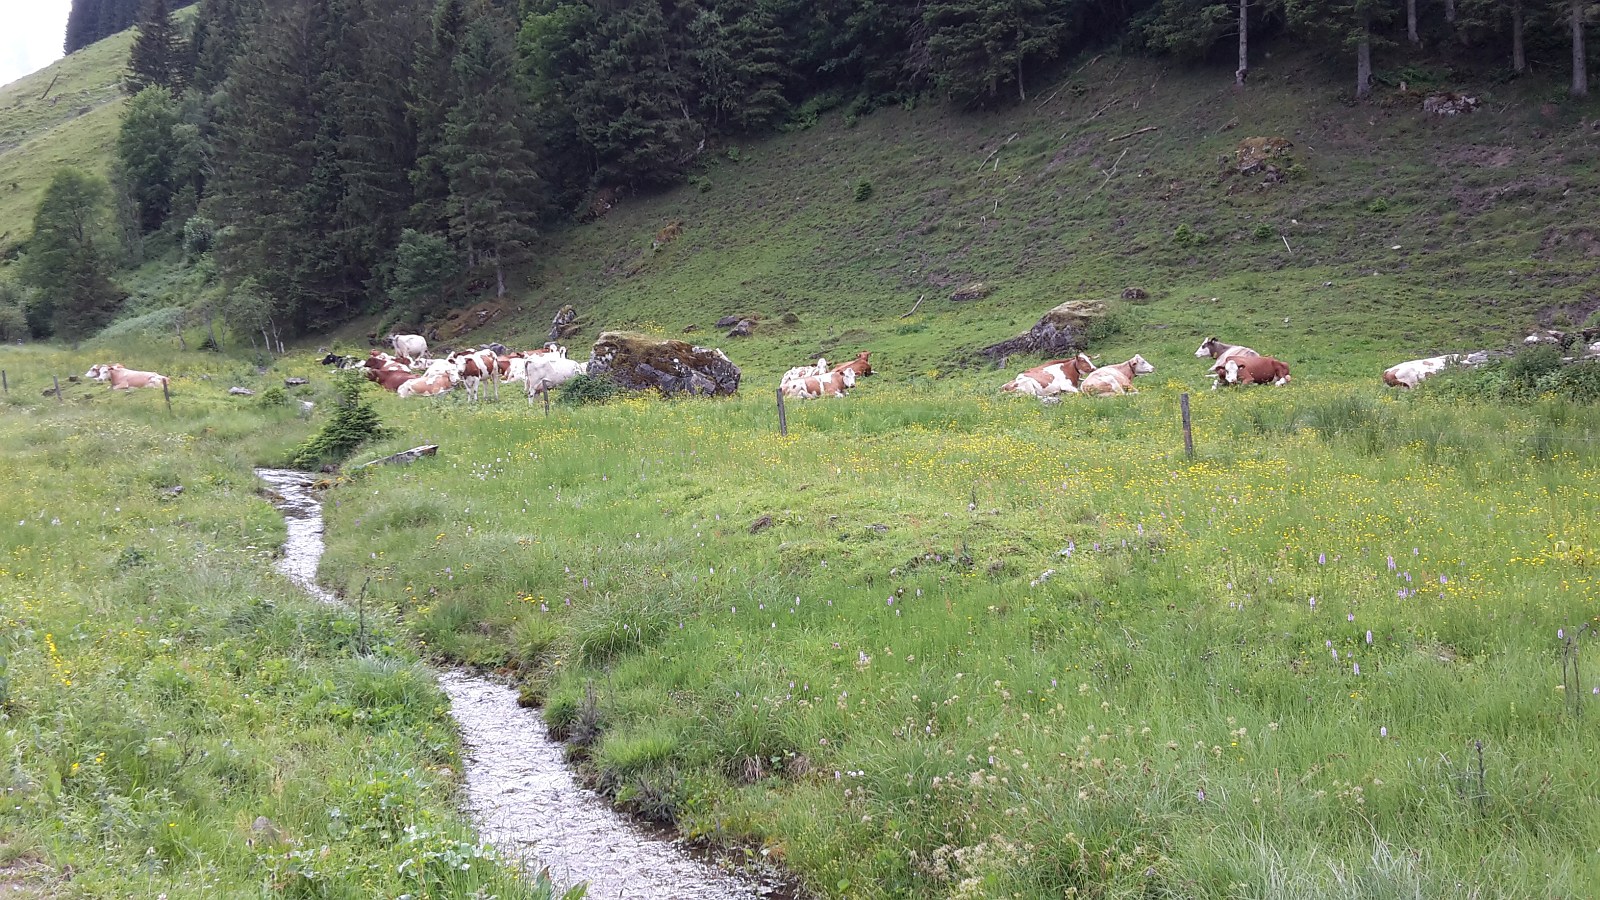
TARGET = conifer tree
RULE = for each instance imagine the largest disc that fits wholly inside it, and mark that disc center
(739, 69)
(494, 190)
(1349, 25)
(159, 56)
(981, 49)
(158, 155)
(65, 266)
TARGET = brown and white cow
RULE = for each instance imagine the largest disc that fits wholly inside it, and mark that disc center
(122, 378)
(429, 385)
(1251, 370)
(1060, 376)
(475, 366)
(860, 366)
(833, 384)
(1117, 379)
(1217, 350)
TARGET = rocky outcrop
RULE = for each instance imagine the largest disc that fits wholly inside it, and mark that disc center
(641, 362)
(1062, 331)
(564, 324)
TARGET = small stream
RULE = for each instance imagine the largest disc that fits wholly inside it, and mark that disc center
(520, 793)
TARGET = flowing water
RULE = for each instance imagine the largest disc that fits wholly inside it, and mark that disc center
(520, 793)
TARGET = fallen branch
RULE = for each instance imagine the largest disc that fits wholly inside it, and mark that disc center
(49, 86)
(1145, 130)
(1286, 244)
(412, 455)
(1109, 172)
(914, 307)
(1096, 114)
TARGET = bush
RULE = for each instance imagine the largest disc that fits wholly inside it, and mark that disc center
(354, 422)
(1185, 236)
(587, 389)
(1379, 205)
(863, 190)
(272, 397)
(199, 233)
(1262, 232)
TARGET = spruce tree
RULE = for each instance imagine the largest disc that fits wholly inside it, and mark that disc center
(981, 49)
(739, 68)
(159, 57)
(494, 190)
(158, 155)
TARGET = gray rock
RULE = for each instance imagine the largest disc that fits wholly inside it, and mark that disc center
(241, 392)
(1061, 331)
(641, 362)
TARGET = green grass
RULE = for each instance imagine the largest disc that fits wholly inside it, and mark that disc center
(161, 689)
(887, 691)
(75, 124)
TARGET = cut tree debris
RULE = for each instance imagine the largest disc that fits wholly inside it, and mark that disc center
(1135, 133)
(406, 456)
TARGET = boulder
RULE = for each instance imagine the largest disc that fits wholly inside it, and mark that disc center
(728, 321)
(690, 329)
(641, 362)
(1253, 153)
(976, 290)
(1134, 293)
(241, 392)
(1449, 103)
(743, 329)
(564, 324)
(1062, 331)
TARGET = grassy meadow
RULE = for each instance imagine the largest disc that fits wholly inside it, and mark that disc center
(940, 643)
(161, 689)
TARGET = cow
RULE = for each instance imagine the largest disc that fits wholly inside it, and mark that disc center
(1057, 377)
(799, 372)
(392, 378)
(833, 384)
(1411, 373)
(860, 365)
(474, 367)
(122, 378)
(544, 371)
(409, 347)
(1251, 370)
(429, 385)
(1117, 379)
(342, 362)
(1217, 350)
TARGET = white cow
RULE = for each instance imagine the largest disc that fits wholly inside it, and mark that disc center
(1117, 379)
(799, 372)
(833, 384)
(410, 347)
(547, 370)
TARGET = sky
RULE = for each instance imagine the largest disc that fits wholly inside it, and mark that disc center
(31, 34)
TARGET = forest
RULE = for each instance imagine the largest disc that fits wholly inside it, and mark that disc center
(339, 157)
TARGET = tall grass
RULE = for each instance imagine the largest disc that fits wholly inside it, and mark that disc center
(991, 648)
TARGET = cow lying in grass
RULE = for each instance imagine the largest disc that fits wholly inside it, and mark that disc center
(121, 378)
(1117, 379)
(1251, 370)
(1052, 379)
(833, 384)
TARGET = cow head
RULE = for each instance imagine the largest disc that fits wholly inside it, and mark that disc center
(1231, 371)
(864, 366)
(1083, 364)
(1208, 348)
(1139, 366)
(848, 378)
(332, 359)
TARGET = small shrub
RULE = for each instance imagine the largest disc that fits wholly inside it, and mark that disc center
(272, 397)
(1262, 232)
(700, 183)
(199, 234)
(1378, 205)
(1186, 236)
(863, 190)
(587, 389)
(354, 422)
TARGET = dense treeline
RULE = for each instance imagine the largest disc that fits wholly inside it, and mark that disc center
(360, 155)
(90, 20)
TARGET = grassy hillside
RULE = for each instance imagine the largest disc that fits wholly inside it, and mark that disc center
(1406, 233)
(75, 124)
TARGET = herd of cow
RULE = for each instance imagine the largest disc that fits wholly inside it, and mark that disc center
(410, 373)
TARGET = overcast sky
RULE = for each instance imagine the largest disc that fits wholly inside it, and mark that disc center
(31, 34)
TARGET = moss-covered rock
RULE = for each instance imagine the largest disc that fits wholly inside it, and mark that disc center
(641, 362)
(1063, 330)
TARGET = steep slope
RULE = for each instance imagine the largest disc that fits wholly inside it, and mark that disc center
(1395, 233)
(65, 114)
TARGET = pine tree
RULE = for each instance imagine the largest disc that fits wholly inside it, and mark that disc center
(739, 69)
(432, 90)
(159, 55)
(981, 48)
(65, 267)
(220, 31)
(494, 191)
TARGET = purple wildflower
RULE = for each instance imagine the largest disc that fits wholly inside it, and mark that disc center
(1322, 559)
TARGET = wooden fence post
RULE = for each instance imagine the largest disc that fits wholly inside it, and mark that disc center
(57, 380)
(4, 383)
(1188, 433)
(783, 417)
(166, 395)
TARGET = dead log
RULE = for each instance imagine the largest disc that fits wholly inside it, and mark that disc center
(1135, 133)
(412, 455)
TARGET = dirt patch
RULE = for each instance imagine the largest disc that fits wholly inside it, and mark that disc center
(458, 322)
(1475, 200)
(1077, 150)
(1478, 156)
(1576, 312)
(1579, 241)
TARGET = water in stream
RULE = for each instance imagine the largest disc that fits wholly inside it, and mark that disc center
(520, 793)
